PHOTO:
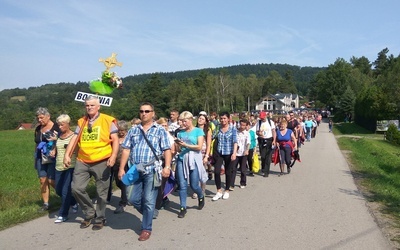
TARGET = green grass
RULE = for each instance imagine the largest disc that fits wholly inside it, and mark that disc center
(20, 195)
(355, 130)
(377, 163)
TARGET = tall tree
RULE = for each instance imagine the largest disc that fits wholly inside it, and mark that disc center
(381, 62)
(362, 63)
(329, 85)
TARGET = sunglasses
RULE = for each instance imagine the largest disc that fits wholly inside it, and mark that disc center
(145, 111)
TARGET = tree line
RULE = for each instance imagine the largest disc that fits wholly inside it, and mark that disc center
(368, 91)
(232, 89)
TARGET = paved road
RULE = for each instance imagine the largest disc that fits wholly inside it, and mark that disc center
(317, 206)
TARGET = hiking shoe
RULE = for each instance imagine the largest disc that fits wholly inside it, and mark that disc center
(60, 219)
(119, 210)
(164, 203)
(44, 208)
(201, 203)
(182, 213)
(98, 225)
(85, 223)
(74, 208)
(225, 196)
(217, 196)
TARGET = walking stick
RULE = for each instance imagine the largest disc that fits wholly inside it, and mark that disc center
(110, 187)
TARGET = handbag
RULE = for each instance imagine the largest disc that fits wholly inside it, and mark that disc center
(158, 168)
(256, 163)
(275, 156)
(47, 159)
(131, 175)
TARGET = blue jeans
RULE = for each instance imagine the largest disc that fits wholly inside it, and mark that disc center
(144, 199)
(183, 183)
(63, 189)
(308, 135)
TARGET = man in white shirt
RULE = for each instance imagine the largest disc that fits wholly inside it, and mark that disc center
(173, 122)
(266, 132)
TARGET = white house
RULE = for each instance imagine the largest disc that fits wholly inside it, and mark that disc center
(279, 101)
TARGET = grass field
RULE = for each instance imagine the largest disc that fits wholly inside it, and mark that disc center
(19, 185)
(19, 190)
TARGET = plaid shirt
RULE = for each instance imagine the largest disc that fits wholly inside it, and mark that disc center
(227, 140)
(140, 152)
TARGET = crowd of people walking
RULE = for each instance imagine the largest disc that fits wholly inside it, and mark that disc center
(183, 151)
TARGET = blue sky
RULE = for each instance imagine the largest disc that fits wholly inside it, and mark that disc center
(61, 41)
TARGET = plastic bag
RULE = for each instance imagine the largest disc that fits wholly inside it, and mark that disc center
(256, 163)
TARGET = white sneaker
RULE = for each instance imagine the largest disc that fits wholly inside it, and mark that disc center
(194, 196)
(217, 196)
(74, 208)
(60, 219)
(225, 196)
(241, 186)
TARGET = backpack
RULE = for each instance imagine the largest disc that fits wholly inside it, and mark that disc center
(260, 121)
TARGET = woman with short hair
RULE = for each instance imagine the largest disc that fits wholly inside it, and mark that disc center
(190, 161)
(64, 174)
(286, 141)
(45, 136)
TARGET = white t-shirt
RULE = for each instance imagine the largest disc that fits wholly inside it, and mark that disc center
(266, 128)
(243, 142)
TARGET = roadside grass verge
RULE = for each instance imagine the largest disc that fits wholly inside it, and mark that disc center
(352, 129)
(376, 163)
(20, 195)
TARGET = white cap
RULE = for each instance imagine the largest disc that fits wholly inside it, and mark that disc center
(203, 113)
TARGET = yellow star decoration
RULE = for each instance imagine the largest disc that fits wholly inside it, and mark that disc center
(110, 62)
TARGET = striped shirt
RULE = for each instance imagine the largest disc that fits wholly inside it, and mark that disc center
(140, 151)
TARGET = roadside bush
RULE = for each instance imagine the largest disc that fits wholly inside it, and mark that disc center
(393, 134)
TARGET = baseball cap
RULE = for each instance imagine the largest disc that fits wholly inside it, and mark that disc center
(262, 115)
(203, 113)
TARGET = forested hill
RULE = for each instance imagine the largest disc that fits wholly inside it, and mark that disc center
(225, 88)
(300, 74)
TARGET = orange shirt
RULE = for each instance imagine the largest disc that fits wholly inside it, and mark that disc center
(95, 146)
